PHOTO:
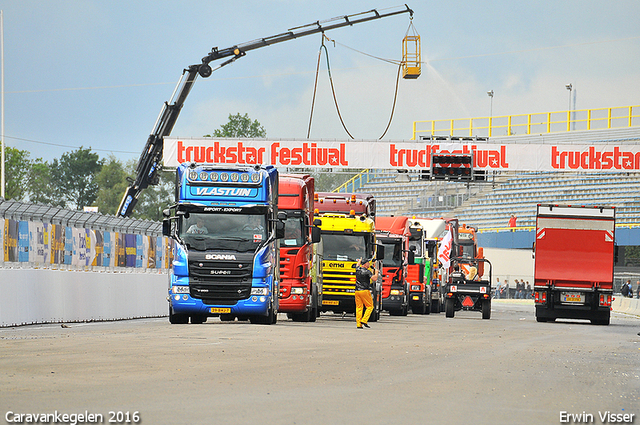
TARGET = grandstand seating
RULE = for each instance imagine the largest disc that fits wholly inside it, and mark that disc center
(490, 204)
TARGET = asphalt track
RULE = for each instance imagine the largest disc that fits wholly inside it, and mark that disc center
(414, 369)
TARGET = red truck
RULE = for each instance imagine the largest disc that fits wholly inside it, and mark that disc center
(394, 234)
(300, 292)
(574, 256)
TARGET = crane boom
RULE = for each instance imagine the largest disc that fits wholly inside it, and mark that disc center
(150, 160)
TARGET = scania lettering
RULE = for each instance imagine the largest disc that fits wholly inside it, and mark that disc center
(226, 228)
(573, 266)
(300, 253)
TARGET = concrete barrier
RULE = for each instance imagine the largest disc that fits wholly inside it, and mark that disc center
(626, 305)
(30, 296)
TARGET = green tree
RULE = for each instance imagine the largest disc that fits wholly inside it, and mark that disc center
(154, 198)
(112, 183)
(240, 126)
(39, 184)
(17, 167)
(74, 176)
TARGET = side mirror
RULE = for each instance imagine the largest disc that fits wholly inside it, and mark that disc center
(282, 216)
(315, 234)
(166, 226)
(166, 213)
(411, 257)
(379, 252)
(279, 229)
(317, 222)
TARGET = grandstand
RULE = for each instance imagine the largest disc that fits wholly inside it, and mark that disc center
(490, 204)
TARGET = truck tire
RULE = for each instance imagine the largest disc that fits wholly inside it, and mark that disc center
(177, 319)
(198, 319)
(448, 307)
(486, 309)
(435, 306)
(417, 309)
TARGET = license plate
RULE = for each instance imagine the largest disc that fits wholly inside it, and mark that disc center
(330, 302)
(572, 297)
(222, 310)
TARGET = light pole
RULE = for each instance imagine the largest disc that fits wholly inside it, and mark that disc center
(569, 87)
(490, 93)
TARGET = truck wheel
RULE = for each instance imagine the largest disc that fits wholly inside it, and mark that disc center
(177, 319)
(427, 309)
(486, 309)
(313, 314)
(197, 319)
(417, 310)
(448, 307)
(435, 306)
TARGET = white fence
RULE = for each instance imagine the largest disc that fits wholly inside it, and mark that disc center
(61, 265)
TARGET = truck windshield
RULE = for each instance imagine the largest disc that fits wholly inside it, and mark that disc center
(467, 250)
(417, 243)
(238, 232)
(293, 232)
(394, 260)
(343, 247)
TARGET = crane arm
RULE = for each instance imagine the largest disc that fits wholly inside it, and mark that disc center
(150, 160)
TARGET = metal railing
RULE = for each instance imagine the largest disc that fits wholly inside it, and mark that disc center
(42, 236)
(537, 123)
(355, 182)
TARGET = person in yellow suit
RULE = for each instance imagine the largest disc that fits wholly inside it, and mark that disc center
(364, 278)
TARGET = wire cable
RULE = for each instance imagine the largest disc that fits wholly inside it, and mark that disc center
(315, 86)
(333, 91)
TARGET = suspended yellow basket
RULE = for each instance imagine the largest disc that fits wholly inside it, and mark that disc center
(411, 63)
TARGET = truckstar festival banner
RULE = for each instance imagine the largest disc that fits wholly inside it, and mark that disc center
(412, 155)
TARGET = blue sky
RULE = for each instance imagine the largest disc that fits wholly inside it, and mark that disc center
(96, 73)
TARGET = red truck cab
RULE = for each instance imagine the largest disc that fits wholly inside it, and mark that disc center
(300, 293)
(346, 203)
(394, 234)
(574, 257)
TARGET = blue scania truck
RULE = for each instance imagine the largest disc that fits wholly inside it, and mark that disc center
(226, 229)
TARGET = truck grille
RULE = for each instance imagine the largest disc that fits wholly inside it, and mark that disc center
(220, 282)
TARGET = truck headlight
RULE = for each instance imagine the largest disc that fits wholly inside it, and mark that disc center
(259, 291)
(298, 291)
(179, 289)
(397, 292)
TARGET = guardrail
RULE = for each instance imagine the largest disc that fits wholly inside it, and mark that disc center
(44, 237)
(355, 182)
(537, 123)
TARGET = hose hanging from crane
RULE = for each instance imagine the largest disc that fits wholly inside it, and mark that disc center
(335, 100)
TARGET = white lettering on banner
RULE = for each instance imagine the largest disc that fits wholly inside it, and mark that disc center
(222, 191)
(412, 155)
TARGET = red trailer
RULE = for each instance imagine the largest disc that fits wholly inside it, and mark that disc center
(574, 256)
(300, 291)
(394, 233)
